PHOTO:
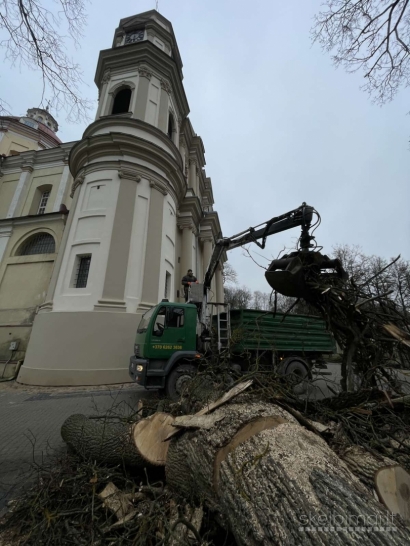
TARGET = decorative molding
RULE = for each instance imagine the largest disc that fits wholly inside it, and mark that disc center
(77, 182)
(47, 306)
(110, 305)
(129, 174)
(165, 86)
(193, 161)
(119, 38)
(28, 167)
(106, 76)
(144, 72)
(158, 185)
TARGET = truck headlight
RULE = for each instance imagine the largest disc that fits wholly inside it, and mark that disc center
(140, 368)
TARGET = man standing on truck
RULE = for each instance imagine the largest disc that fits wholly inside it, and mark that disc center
(187, 280)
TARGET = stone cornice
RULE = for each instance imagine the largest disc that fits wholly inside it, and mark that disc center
(109, 121)
(210, 221)
(150, 55)
(34, 219)
(98, 147)
(191, 206)
(37, 158)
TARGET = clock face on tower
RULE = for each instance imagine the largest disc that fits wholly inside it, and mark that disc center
(134, 36)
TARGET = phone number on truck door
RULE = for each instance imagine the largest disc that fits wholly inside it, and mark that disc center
(172, 347)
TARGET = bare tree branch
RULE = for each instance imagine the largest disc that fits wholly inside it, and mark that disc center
(368, 35)
(33, 39)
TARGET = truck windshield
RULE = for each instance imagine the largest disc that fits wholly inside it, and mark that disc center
(146, 317)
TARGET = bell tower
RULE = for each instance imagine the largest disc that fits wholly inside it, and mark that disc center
(141, 212)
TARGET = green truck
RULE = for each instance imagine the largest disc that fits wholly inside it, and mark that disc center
(174, 339)
(169, 348)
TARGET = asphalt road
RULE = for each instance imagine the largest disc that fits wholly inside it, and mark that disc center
(31, 418)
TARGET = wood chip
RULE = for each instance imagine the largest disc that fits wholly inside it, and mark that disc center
(198, 421)
(115, 500)
(223, 400)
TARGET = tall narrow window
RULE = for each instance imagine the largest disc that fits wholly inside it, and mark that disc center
(122, 101)
(43, 202)
(167, 284)
(83, 268)
(170, 126)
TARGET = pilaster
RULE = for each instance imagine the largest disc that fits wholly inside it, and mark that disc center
(152, 266)
(113, 295)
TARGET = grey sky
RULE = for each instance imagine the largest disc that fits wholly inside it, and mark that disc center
(280, 124)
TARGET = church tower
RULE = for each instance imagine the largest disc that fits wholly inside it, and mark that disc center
(141, 213)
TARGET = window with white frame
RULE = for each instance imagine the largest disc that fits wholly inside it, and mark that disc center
(43, 202)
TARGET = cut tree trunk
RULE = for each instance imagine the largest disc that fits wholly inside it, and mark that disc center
(271, 482)
(363, 464)
(116, 443)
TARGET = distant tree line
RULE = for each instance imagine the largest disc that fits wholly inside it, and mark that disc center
(362, 268)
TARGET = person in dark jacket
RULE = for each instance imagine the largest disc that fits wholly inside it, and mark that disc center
(187, 280)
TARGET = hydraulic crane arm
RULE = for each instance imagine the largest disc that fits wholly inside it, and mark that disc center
(301, 216)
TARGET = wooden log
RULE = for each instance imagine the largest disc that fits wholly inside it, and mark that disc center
(393, 489)
(149, 435)
(273, 482)
(363, 464)
(119, 443)
(100, 440)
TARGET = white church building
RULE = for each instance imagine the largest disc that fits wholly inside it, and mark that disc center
(95, 232)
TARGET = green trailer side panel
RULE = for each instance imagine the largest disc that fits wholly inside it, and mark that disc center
(261, 330)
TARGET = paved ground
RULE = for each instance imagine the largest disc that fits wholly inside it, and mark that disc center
(30, 421)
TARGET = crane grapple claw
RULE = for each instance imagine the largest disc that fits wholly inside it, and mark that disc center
(293, 274)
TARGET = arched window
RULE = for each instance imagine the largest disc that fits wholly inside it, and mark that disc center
(170, 125)
(122, 101)
(39, 243)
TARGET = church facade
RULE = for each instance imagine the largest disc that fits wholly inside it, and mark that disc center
(95, 232)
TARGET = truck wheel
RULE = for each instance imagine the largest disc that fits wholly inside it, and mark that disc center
(178, 379)
(296, 371)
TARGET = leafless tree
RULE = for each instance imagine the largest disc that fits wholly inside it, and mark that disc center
(229, 274)
(368, 35)
(238, 298)
(31, 35)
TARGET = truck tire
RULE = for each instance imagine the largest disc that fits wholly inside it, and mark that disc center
(177, 380)
(297, 371)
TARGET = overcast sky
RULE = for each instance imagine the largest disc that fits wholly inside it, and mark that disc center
(279, 123)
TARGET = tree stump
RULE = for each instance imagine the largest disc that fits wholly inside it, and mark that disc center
(274, 482)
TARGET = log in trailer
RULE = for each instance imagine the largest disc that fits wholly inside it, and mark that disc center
(174, 339)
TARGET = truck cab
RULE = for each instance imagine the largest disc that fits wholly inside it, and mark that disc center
(165, 343)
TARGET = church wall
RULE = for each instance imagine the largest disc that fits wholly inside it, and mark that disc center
(8, 185)
(90, 233)
(40, 177)
(24, 281)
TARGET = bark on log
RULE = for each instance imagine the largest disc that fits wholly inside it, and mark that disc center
(363, 464)
(102, 441)
(270, 479)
